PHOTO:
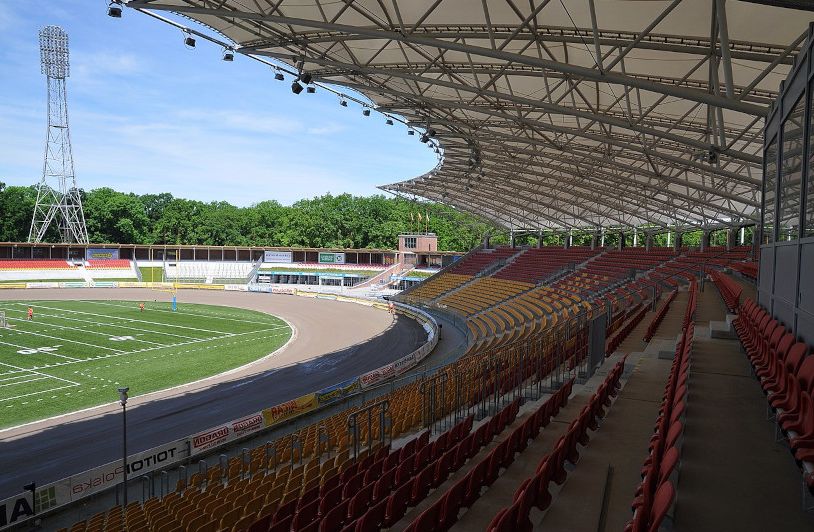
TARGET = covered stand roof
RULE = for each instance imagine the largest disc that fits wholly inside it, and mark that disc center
(554, 113)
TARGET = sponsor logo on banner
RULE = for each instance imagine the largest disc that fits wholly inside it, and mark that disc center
(376, 376)
(336, 392)
(209, 438)
(108, 475)
(278, 256)
(289, 409)
(331, 258)
(42, 285)
(101, 253)
(283, 290)
(235, 287)
(16, 509)
(403, 364)
(247, 425)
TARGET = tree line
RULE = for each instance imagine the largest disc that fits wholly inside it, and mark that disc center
(342, 221)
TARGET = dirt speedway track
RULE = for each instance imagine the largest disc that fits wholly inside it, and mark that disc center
(334, 341)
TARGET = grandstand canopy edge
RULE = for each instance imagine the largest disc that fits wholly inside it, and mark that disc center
(557, 116)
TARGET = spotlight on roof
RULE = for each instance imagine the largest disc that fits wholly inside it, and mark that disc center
(296, 88)
(311, 89)
(189, 41)
(389, 121)
(228, 55)
(114, 10)
(343, 103)
(431, 133)
(279, 76)
(366, 112)
(410, 132)
(306, 78)
(424, 138)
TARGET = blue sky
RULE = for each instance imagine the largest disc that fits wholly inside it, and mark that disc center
(149, 115)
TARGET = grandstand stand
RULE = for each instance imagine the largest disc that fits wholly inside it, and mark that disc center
(108, 264)
(38, 264)
(480, 260)
(536, 264)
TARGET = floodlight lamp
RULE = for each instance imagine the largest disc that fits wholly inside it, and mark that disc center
(389, 122)
(189, 41)
(306, 77)
(366, 112)
(114, 10)
(228, 55)
(311, 89)
(279, 76)
(123, 395)
(343, 103)
(424, 138)
(296, 88)
(431, 132)
(410, 132)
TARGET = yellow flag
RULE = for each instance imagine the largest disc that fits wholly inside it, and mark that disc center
(411, 216)
(418, 214)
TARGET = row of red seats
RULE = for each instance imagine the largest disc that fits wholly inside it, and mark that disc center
(659, 316)
(108, 264)
(729, 288)
(443, 514)
(656, 493)
(786, 375)
(536, 264)
(478, 261)
(37, 264)
(619, 336)
(749, 269)
(533, 492)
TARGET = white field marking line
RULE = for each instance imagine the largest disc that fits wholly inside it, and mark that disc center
(121, 326)
(23, 382)
(87, 331)
(112, 355)
(203, 315)
(66, 340)
(50, 390)
(129, 319)
(39, 373)
(14, 377)
(44, 353)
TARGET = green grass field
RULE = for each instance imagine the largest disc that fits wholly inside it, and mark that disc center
(150, 274)
(75, 354)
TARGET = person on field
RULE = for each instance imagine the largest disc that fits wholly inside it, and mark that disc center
(30, 314)
(141, 307)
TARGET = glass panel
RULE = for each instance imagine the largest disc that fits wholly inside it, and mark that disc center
(769, 184)
(810, 186)
(788, 220)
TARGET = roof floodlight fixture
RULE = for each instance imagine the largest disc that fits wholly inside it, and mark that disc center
(296, 88)
(424, 138)
(410, 132)
(431, 133)
(365, 112)
(311, 89)
(306, 77)
(389, 121)
(189, 40)
(228, 55)
(343, 102)
(279, 75)
(114, 9)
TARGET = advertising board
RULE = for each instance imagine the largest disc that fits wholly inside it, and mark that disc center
(101, 254)
(289, 409)
(278, 256)
(331, 258)
(16, 509)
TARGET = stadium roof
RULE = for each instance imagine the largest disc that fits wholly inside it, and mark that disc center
(555, 113)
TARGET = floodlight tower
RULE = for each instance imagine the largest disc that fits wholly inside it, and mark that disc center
(57, 195)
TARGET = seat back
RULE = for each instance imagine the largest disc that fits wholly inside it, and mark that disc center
(661, 505)
(805, 375)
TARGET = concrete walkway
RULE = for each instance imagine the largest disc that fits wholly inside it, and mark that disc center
(733, 474)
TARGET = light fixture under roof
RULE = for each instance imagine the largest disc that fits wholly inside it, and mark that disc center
(228, 55)
(366, 112)
(189, 41)
(343, 103)
(279, 76)
(410, 132)
(296, 88)
(306, 77)
(311, 89)
(114, 10)
(389, 122)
